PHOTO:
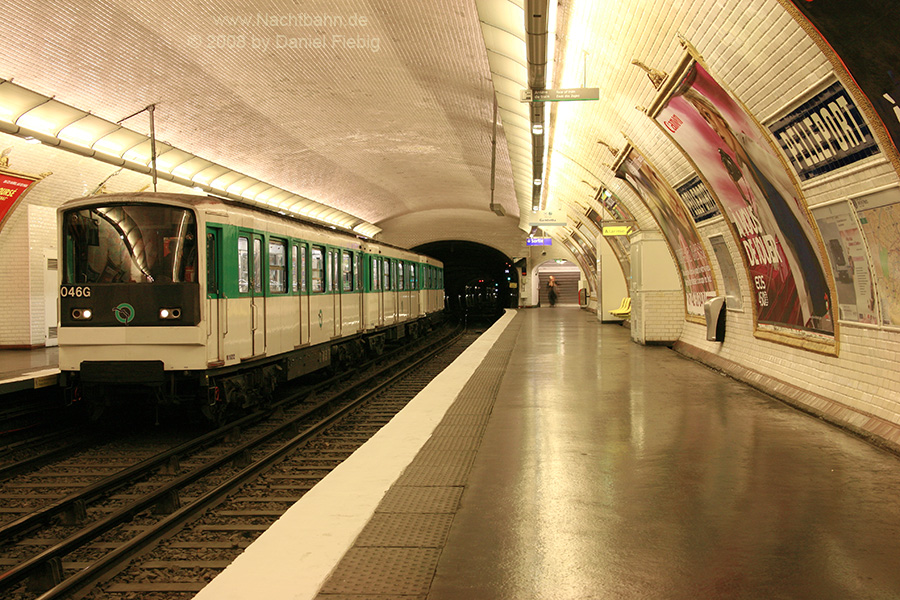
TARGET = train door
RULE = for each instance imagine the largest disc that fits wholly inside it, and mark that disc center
(377, 293)
(359, 287)
(216, 323)
(414, 300)
(257, 298)
(400, 286)
(298, 283)
(387, 291)
(333, 283)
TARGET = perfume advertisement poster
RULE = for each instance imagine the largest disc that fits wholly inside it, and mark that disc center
(776, 233)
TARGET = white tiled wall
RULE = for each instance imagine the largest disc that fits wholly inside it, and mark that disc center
(757, 50)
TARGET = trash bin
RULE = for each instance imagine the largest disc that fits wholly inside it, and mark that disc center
(714, 308)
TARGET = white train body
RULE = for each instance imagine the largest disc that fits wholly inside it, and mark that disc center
(160, 289)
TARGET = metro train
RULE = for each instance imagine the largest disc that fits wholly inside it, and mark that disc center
(196, 298)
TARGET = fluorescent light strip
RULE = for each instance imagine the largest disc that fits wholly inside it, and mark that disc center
(40, 119)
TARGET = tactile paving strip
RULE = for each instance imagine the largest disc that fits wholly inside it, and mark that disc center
(440, 475)
(363, 570)
(432, 457)
(406, 530)
(396, 554)
(407, 498)
(452, 444)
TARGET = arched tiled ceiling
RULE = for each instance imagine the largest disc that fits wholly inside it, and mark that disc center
(399, 122)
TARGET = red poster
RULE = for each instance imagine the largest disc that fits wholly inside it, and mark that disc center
(12, 189)
(778, 239)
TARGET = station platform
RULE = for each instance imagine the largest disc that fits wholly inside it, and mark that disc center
(557, 459)
(28, 369)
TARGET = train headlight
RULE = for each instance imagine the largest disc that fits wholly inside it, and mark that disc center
(170, 313)
(82, 314)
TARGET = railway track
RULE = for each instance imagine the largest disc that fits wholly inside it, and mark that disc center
(207, 497)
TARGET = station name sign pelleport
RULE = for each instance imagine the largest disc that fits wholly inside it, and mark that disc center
(560, 95)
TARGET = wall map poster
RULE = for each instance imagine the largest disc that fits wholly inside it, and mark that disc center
(777, 237)
(676, 225)
(879, 215)
(864, 35)
(849, 265)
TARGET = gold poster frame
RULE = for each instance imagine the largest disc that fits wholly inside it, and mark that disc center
(620, 160)
(811, 341)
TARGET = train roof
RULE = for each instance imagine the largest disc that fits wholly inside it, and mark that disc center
(198, 201)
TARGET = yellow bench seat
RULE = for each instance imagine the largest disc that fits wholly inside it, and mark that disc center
(624, 309)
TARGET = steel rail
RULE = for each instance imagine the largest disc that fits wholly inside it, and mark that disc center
(117, 557)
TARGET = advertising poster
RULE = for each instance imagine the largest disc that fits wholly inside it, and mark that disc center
(678, 228)
(12, 188)
(864, 36)
(587, 248)
(777, 237)
(849, 265)
(879, 215)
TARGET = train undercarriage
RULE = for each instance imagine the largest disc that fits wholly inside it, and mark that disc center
(221, 393)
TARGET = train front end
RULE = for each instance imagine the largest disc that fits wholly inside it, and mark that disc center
(129, 299)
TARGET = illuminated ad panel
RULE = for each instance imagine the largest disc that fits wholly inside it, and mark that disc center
(676, 225)
(778, 241)
(864, 36)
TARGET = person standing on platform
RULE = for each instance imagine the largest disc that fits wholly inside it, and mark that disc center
(553, 290)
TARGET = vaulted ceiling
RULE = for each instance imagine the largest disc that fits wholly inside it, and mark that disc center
(383, 109)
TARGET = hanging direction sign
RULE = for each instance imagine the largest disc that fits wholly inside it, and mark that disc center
(560, 95)
(611, 230)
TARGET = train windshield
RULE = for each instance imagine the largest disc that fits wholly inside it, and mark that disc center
(134, 243)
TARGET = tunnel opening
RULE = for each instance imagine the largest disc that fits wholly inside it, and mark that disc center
(479, 281)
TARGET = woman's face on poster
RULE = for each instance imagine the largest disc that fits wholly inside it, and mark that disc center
(718, 124)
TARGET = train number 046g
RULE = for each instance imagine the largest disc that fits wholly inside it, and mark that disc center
(72, 291)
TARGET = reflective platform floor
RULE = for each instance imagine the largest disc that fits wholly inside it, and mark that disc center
(576, 464)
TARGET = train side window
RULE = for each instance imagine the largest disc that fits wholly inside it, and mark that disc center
(386, 274)
(413, 283)
(295, 268)
(243, 264)
(257, 265)
(212, 261)
(277, 266)
(318, 269)
(358, 270)
(376, 273)
(346, 271)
